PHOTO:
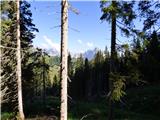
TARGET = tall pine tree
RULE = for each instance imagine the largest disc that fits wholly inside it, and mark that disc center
(8, 46)
(112, 12)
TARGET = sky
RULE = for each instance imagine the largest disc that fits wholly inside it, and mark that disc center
(86, 31)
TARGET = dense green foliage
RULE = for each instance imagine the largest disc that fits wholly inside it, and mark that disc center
(8, 46)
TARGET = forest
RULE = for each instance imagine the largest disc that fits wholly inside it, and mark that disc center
(121, 82)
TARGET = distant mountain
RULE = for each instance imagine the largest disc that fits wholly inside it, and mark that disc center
(52, 52)
(89, 54)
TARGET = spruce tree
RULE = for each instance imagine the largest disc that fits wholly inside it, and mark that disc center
(112, 12)
(8, 46)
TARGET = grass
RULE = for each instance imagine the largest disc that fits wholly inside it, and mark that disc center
(7, 115)
(51, 107)
(99, 111)
(144, 100)
(142, 103)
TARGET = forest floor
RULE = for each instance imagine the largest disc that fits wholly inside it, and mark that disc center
(141, 103)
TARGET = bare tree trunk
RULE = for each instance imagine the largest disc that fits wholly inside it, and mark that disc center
(19, 80)
(112, 62)
(44, 81)
(64, 57)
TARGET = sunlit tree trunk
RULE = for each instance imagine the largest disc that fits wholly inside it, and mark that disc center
(112, 62)
(64, 57)
(19, 80)
(44, 81)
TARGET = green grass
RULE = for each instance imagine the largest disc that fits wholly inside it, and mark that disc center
(142, 103)
(37, 108)
(7, 115)
(144, 100)
(99, 111)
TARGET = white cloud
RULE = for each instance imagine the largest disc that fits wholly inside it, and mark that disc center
(79, 41)
(44, 45)
(82, 51)
(51, 43)
(89, 44)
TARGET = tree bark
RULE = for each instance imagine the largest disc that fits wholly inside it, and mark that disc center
(44, 81)
(112, 61)
(19, 72)
(64, 57)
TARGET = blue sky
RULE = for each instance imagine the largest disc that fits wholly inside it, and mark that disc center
(93, 33)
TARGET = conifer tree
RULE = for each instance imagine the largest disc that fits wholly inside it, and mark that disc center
(112, 12)
(9, 47)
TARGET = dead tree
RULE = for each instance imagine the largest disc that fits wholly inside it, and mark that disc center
(64, 57)
(19, 71)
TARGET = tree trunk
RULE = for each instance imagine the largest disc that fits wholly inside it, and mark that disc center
(44, 81)
(112, 62)
(64, 57)
(19, 80)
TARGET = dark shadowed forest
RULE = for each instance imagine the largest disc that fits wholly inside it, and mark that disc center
(121, 82)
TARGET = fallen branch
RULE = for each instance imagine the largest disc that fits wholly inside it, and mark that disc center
(85, 116)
